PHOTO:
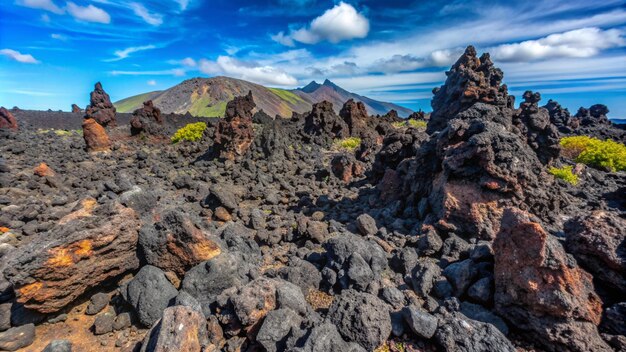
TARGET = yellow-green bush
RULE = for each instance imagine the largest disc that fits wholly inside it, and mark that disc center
(564, 173)
(607, 154)
(192, 132)
(349, 143)
(419, 124)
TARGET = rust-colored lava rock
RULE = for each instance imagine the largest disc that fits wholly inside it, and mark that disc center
(7, 120)
(76, 109)
(542, 289)
(76, 255)
(43, 170)
(346, 167)
(95, 136)
(234, 133)
(100, 107)
(147, 118)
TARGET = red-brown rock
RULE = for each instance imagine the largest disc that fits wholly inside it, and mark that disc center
(355, 115)
(80, 253)
(346, 167)
(541, 289)
(43, 170)
(95, 136)
(7, 120)
(100, 107)
(76, 109)
(148, 119)
(234, 133)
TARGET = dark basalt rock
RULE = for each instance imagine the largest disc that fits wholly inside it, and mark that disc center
(149, 292)
(458, 333)
(17, 337)
(234, 133)
(180, 329)
(534, 122)
(470, 80)
(322, 126)
(76, 109)
(100, 107)
(355, 115)
(147, 119)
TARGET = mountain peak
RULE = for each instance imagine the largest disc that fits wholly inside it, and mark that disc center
(328, 83)
(311, 87)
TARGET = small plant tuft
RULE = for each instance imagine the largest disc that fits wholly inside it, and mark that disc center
(564, 173)
(419, 124)
(349, 143)
(607, 154)
(192, 132)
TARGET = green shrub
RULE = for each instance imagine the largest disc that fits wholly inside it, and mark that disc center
(349, 143)
(192, 132)
(607, 154)
(564, 173)
(419, 124)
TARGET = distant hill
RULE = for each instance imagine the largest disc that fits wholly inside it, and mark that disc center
(208, 97)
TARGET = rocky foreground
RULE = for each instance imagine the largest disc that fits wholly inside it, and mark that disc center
(268, 235)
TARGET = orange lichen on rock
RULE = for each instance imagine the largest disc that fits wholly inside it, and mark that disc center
(87, 206)
(4, 229)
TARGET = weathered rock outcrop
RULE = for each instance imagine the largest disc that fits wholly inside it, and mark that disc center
(95, 136)
(180, 329)
(175, 243)
(147, 119)
(470, 80)
(100, 107)
(355, 116)
(87, 247)
(598, 241)
(534, 122)
(7, 120)
(76, 109)
(540, 289)
(234, 133)
(322, 126)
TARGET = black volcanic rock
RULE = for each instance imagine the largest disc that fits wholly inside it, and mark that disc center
(322, 126)
(234, 133)
(147, 119)
(541, 135)
(100, 107)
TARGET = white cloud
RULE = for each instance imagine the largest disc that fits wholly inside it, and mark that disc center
(152, 82)
(122, 54)
(154, 19)
(249, 71)
(342, 22)
(47, 5)
(584, 42)
(58, 36)
(45, 18)
(88, 13)
(283, 39)
(188, 62)
(183, 4)
(398, 63)
(19, 57)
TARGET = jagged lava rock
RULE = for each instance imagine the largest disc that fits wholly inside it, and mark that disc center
(540, 289)
(95, 136)
(234, 133)
(100, 107)
(83, 251)
(7, 120)
(322, 125)
(147, 119)
(180, 329)
(355, 115)
(76, 109)
(176, 243)
(542, 136)
(598, 241)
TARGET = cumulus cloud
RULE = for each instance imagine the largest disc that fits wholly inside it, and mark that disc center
(19, 57)
(340, 23)
(151, 18)
(188, 62)
(584, 42)
(249, 71)
(88, 13)
(47, 5)
(122, 54)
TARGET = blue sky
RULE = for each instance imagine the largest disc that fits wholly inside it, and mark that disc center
(53, 51)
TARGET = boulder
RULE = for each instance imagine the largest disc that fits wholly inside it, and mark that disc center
(7, 120)
(326, 338)
(254, 300)
(598, 241)
(277, 327)
(97, 303)
(361, 318)
(458, 333)
(96, 138)
(147, 119)
(366, 225)
(180, 329)
(175, 243)
(234, 133)
(421, 323)
(540, 289)
(43, 170)
(59, 346)
(149, 293)
(17, 337)
(87, 248)
(100, 107)
(345, 167)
